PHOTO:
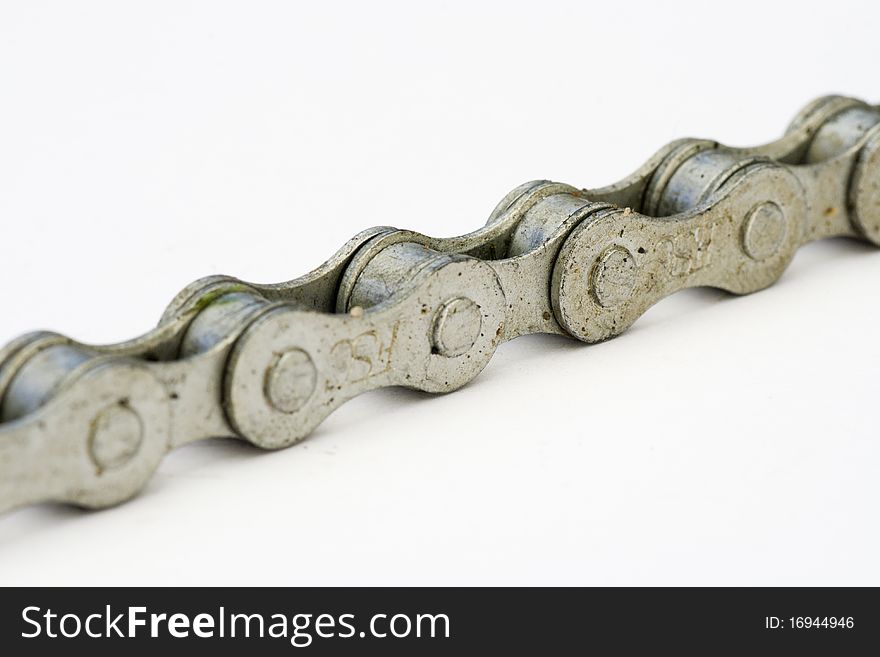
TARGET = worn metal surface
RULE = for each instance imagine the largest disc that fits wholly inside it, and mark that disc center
(89, 424)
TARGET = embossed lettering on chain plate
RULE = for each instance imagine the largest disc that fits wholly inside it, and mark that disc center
(88, 425)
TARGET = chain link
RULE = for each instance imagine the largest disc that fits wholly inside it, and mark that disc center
(88, 425)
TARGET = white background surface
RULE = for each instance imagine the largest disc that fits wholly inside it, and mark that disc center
(720, 441)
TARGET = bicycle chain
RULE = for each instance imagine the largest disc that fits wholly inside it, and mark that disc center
(88, 425)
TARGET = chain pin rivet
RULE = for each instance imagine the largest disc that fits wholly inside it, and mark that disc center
(290, 381)
(613, 276)
(764, 231)
(115, 437)
(456, 327)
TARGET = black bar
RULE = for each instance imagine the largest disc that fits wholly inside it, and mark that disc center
(524, 620)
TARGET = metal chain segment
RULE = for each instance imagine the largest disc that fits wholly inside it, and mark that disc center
(89, 425)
